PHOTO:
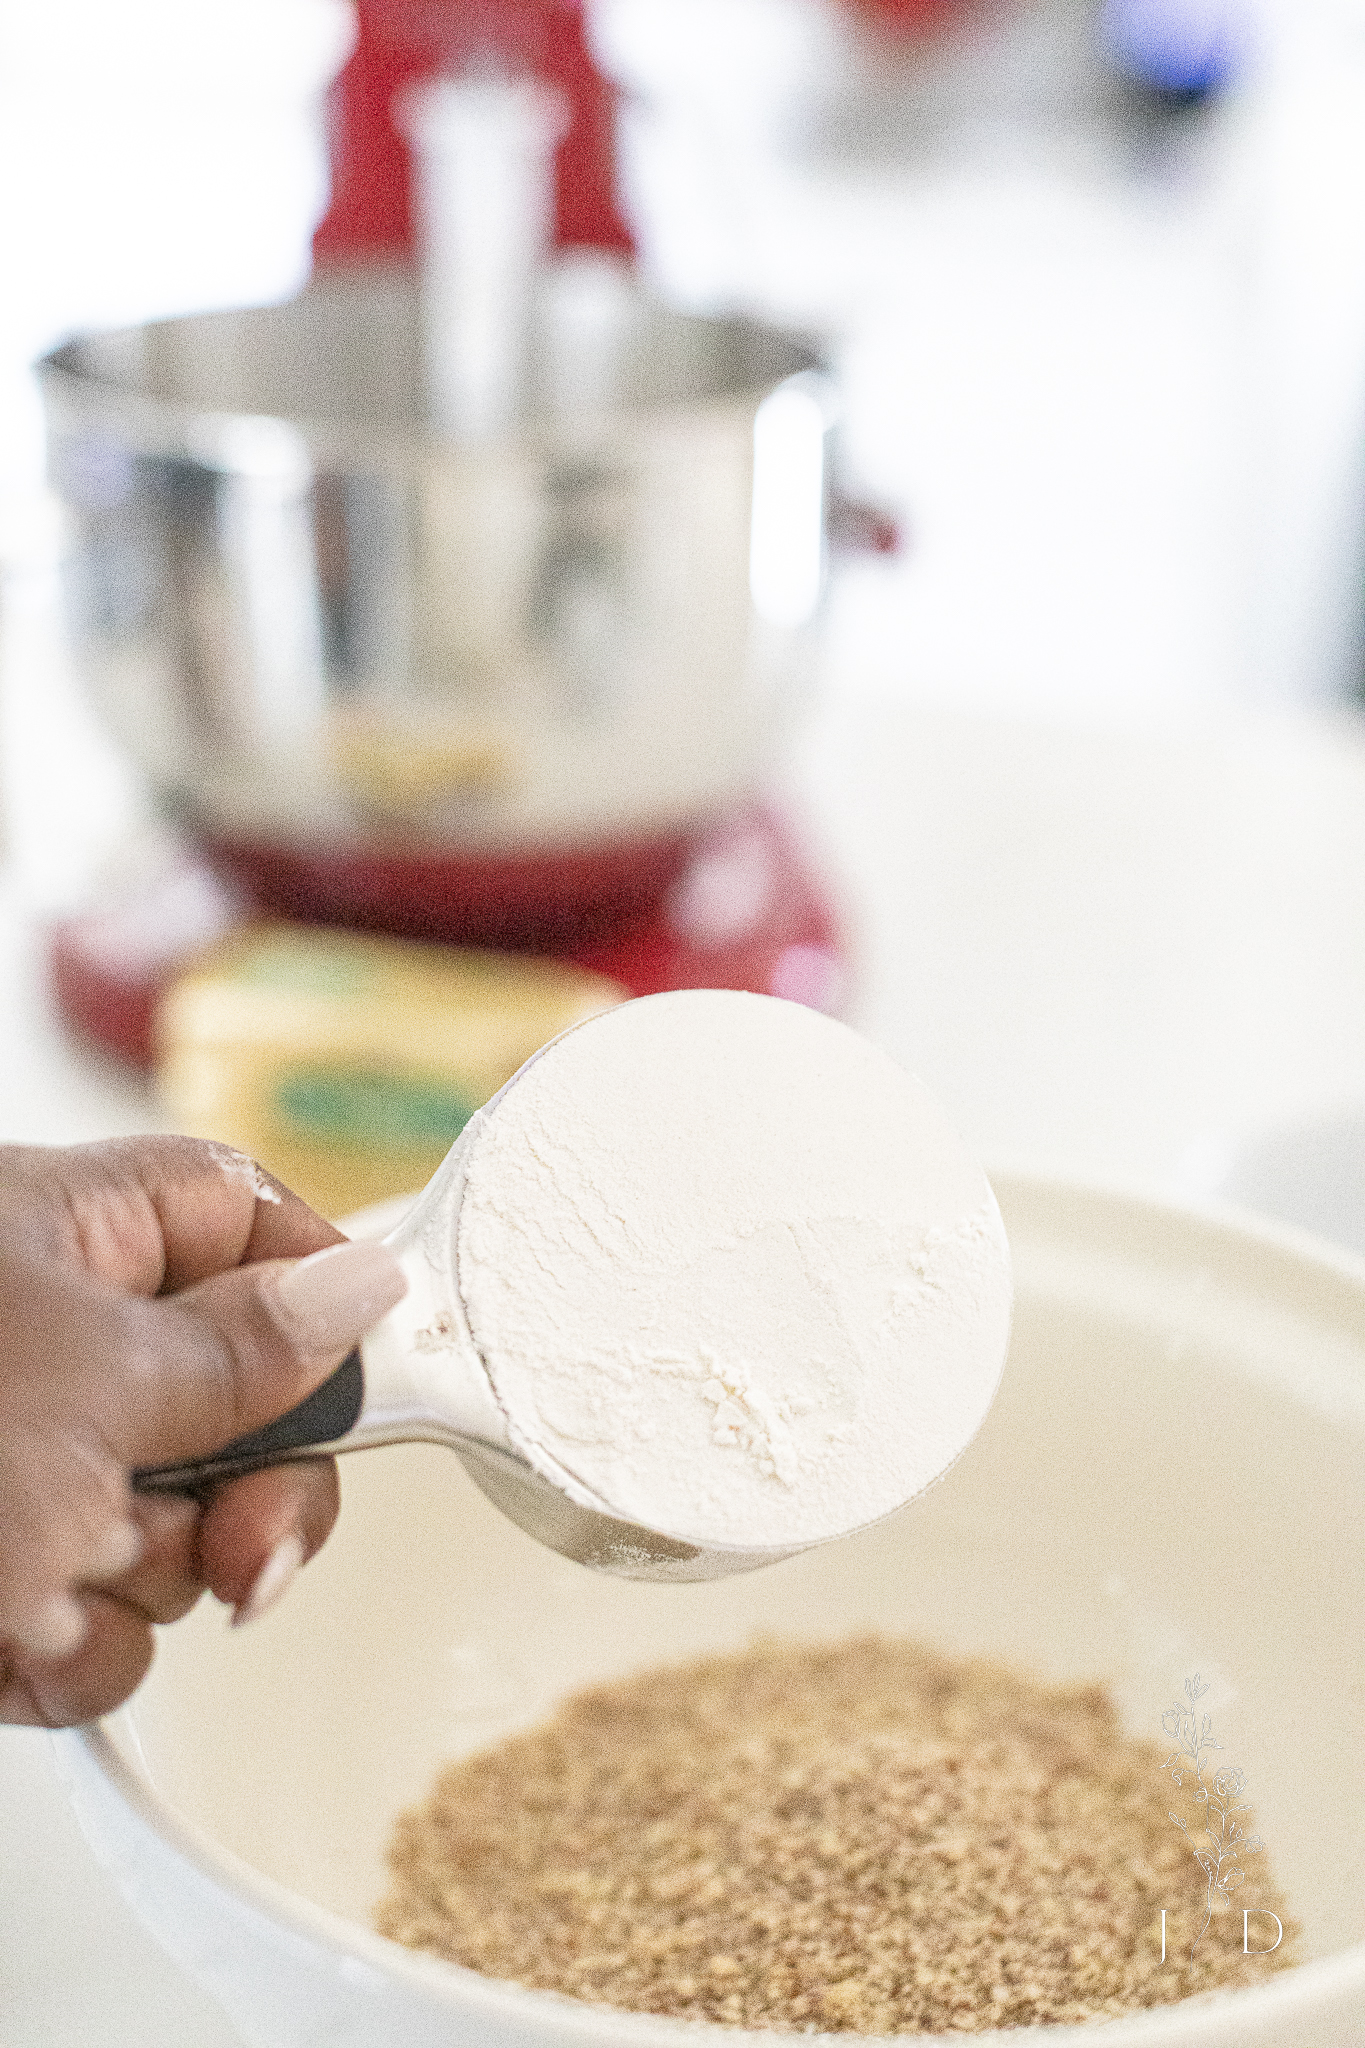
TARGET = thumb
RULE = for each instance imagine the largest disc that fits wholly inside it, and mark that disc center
(233, 1353)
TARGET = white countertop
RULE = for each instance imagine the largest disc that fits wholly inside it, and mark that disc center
(1099, 949)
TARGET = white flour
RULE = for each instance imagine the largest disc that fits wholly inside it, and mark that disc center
(730, 1270)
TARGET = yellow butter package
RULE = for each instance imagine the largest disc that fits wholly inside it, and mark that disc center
(349, 1064)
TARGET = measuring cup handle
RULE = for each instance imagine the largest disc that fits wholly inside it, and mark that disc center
(328, 1413)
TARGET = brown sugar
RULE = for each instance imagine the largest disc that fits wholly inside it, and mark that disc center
(861, 1836)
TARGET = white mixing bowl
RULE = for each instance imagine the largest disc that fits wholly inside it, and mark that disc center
(1172, 1481)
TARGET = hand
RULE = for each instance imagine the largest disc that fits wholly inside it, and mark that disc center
(153, 1307)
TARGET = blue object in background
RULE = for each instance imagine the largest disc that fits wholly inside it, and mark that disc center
(1184, 49)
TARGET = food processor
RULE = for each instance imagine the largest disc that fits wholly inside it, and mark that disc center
(469, 597)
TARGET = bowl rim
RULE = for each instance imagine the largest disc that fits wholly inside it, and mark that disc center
(94, 1751)
(80, 395)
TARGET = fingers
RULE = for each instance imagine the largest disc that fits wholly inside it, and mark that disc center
(147, 1214)
(133, 1334)
(203, 1204)
(246, 1545)
(229, 1545)
(167, 1579)
(152, 1569)
(46, 1683)
(61, 1692)
(63, 1521)
(241, 1349)
(101, 1383)
(258, 1531)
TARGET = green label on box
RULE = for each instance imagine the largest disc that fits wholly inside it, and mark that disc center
(372, 1109)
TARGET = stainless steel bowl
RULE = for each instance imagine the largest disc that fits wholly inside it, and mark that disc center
(319, 624)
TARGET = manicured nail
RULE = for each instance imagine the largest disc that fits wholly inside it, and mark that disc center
(118, 1550)
(57, 1630)
(333, 1297)
(273, 1581)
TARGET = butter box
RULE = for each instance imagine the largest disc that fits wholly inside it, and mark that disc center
(348, 1064)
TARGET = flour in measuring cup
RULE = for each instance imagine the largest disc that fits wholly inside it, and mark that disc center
(730, 1272)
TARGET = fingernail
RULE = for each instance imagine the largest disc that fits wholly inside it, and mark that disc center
(118, 1550)
(57, 1630)
(273, 1581)
(333, 1297)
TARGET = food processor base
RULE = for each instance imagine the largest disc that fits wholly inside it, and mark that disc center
(742, 906)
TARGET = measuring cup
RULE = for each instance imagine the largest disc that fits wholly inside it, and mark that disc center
(419, 1375)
